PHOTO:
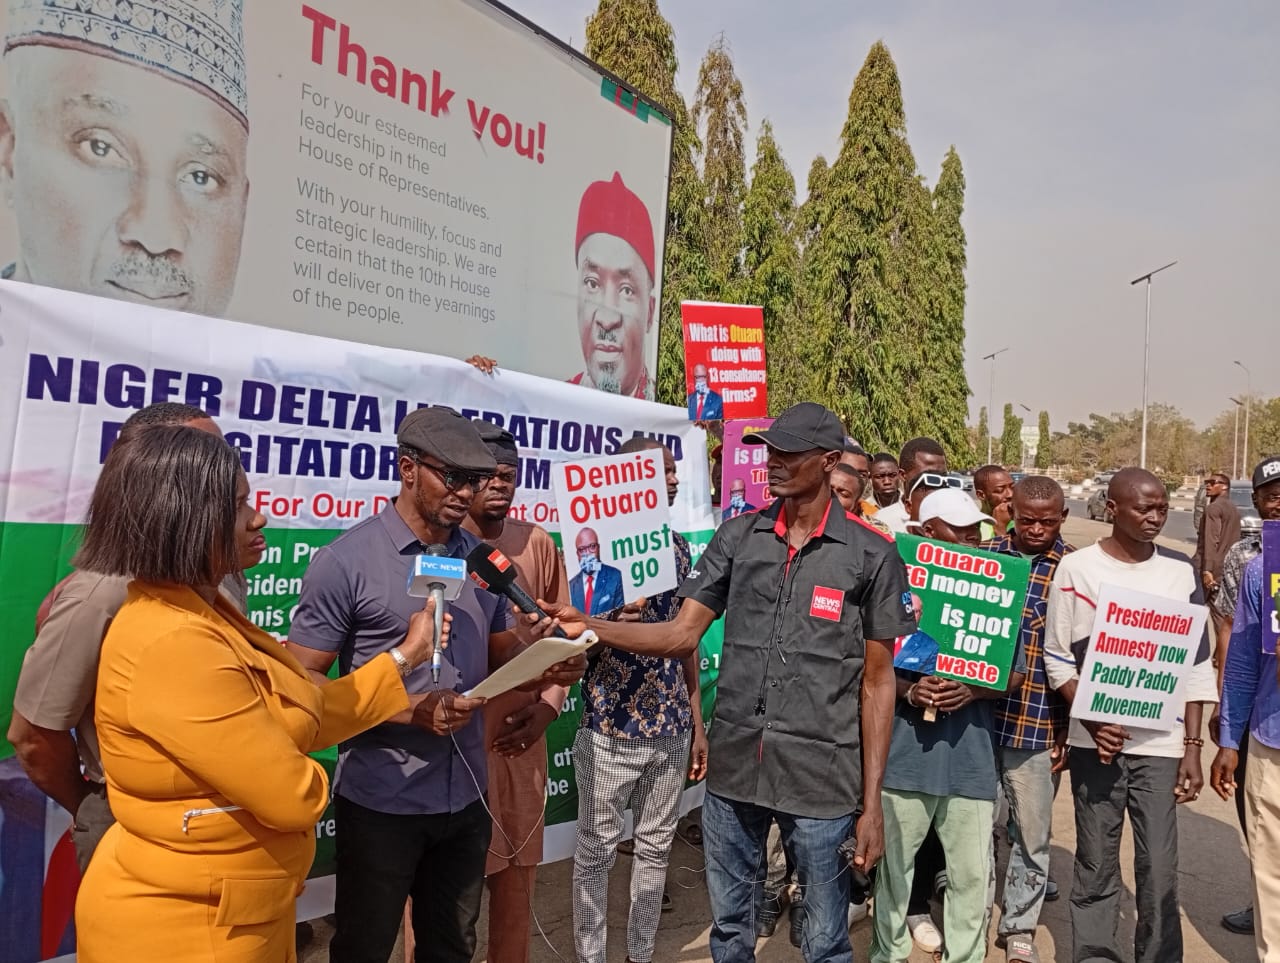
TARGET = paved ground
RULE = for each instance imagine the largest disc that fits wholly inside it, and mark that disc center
(1214, 879)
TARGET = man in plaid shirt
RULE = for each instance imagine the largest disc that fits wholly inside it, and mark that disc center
(1031, 722)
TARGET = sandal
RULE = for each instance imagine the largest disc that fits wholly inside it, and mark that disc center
(1020, 948)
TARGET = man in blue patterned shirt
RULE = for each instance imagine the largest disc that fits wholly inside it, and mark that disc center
(640, 715)
(1031, 722)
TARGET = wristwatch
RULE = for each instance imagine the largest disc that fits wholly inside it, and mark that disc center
(401, 662)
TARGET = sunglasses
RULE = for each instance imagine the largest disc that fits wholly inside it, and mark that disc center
(455, 479)
(931, 479)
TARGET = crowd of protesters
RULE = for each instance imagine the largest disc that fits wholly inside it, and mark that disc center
(840, 774)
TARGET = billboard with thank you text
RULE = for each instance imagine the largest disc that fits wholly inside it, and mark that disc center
(314, 422)
(438, 177)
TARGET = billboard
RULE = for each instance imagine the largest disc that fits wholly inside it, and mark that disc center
(313, 419)
(439, 177)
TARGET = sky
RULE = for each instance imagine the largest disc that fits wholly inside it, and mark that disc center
(1099, 142)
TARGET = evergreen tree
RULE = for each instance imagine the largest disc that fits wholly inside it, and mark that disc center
(1044, 447)
(944, 385)
(633, 39)
(984, 433)
(771, 262)
(857, 262)
(720, 115)
(1011, 438)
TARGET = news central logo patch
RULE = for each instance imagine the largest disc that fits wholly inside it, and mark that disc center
(827, 603)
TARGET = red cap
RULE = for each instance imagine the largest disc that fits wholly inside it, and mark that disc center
(610, 207)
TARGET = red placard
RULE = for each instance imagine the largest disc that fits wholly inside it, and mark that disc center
(724, 364)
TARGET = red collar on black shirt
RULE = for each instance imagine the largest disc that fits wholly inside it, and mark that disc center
(780, 528)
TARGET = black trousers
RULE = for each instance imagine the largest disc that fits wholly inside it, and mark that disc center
(382, 859)
(1142, 787)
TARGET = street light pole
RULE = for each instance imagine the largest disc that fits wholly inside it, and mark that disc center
(1248, 406)
(1235, 445)
(991, 398)
(1146, 357)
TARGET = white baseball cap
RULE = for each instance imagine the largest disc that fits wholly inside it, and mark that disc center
(954, 507)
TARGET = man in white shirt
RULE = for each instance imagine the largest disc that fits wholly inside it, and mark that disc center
(1116, 769)
(920, 457)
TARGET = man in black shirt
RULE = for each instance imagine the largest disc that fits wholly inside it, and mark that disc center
(813, 599)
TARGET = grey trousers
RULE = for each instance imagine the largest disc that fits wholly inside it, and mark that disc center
(646, 775)
(1141, 786)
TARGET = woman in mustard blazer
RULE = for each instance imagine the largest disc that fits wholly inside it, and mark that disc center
(205, 721)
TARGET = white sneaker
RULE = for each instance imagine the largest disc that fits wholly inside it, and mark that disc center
(859, 912)
(924, 933)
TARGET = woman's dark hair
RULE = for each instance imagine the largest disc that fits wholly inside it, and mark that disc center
(164, 509)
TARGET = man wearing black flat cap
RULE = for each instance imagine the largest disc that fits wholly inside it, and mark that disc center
(409, 793)
(813, 599)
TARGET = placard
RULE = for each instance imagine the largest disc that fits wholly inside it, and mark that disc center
(971, 605)
(1271, 584)
(744, 474)
(724, 364)
(616, 529)
(1140, 653)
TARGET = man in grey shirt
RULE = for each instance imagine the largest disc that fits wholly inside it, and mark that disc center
(411, 817)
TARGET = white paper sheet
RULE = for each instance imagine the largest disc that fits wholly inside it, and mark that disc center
(531, 663)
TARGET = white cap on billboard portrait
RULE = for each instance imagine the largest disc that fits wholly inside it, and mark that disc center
(199, 43)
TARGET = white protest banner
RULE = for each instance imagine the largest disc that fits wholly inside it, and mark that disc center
(314, 421)
(616, 529)
(1140, 653)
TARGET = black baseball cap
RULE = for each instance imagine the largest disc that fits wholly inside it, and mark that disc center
(502, 444)
(446, 435)
(1268, 470)
(802, 427)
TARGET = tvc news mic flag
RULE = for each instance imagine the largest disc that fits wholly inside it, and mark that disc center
(443, 570)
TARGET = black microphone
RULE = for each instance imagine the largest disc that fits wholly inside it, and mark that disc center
(494, 572)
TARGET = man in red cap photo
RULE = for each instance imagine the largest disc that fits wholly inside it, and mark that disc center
(616, 284)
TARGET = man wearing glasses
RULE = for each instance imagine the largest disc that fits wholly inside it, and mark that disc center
(409, 793)
(597, 588)
(920, 457)
(1219, 530)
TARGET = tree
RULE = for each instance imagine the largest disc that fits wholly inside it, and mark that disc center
(983, 434)
(1011, 438)
(633, 39)
(1044, 447)
(771, 262)
(720, 115)
(864, 330)
(944, 385)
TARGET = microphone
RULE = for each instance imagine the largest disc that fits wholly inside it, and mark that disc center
(440, 576)
(494, 572)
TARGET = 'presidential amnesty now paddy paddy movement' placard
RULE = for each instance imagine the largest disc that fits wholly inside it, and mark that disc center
(971, 606)
(1140, 653)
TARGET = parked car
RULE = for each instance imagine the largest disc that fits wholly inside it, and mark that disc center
(966, 481)
(1242, 498)
(1096, 507)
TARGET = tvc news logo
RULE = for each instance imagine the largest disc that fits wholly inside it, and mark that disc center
(827, 603)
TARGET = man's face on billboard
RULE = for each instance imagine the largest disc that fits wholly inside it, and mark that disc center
(124, 183)
(615, 309)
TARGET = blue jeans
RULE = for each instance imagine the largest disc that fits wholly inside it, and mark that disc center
(734, 837)
(1029, 786)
